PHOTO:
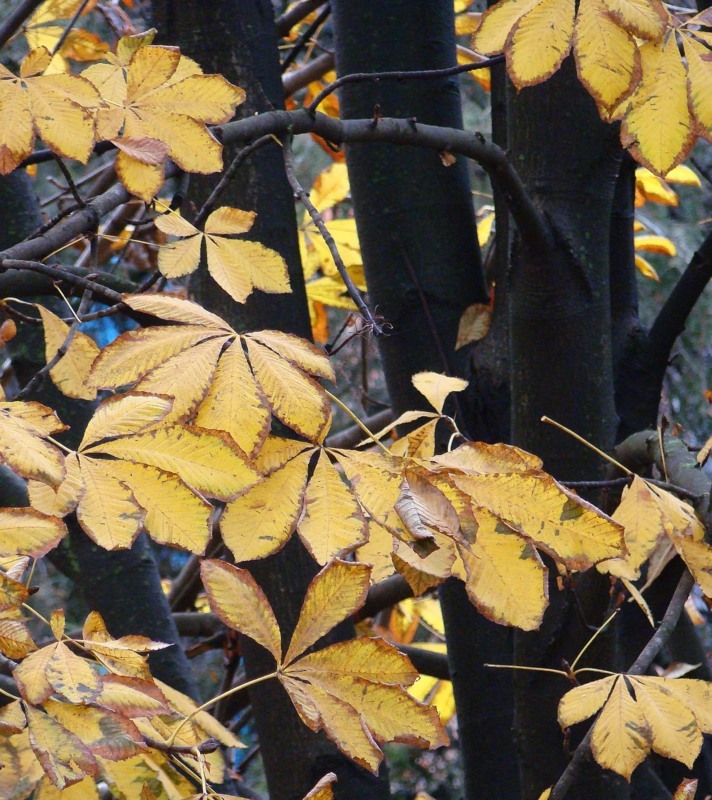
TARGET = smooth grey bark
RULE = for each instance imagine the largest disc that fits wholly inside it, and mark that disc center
(247, 55)
(416, 228)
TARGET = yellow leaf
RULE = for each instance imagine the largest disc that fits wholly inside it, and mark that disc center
(57, 624)
(435, 387)
(607, 57)
(323, 790)
(346, 239)
(86, 789)
(642, 520)
(695, 694)
(655, 244)
(180, 258)
(333, 524)
(121, 660)
(646, 19)
(482, 76)
(678, 516)
(621, 736)
(30, 676)
(23, 426)
(151, 152)
(657, 127)
(683, 174)
(540, 41)
(70, 373)
(506, 579)
(330, 187)
(422, 573)
(474, 324)
(238, 266)
(136, 353)
(334, 594)
(24, 531)
(175, 309)
(131, 697)
(467, 23)
(143, 180)
(261, 520)
(108, 511)
(300, 352)
(175, 516)
(419, 443)
(294, 398)
(565, 526)
(240, 603)
(651, 187)
(208, 461)
(479, 458)
(72, 676)
(63, 756)
(496, 24)
(699, 77)
(15, 639)
(377, 552)
(12, 592)
(16, 132)
(646, 269)
(125, 414)
(235, 403)
(637, 224)
(186, 377)
(192, 146)
(226, 220)
(696, 554)
(127, 777)
(584, 701)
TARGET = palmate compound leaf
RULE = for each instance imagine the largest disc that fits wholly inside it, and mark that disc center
(244, 389)
(341, 688)
(640, 714)
(57, 107)
(154, 93)
(237, 266)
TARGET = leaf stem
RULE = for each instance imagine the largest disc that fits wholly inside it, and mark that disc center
(593, 447)
(353, 416)
(592, 640)
(528, 669)
(239, 688)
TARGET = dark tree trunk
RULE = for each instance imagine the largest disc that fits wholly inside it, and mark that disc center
(237, 38)
(416, 227)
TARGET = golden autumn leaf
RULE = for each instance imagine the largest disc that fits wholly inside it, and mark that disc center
(71, 372)
(115, 653)
(154, 93)
(330, 187)
(24, 427)
(26, 531)
(640, 714)
(646, 269)
(322, 790)
(15, 639)
(435, 387)
(649, 186)
(655, 244)
(238, 266)
(474, 324)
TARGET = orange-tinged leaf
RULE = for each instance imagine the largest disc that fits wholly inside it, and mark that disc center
(238, 266)
(646, 269)
(655, 244)
(646, 19)
(372, 659)
(23, 426)
(298, 351)
(651, 187)
(15, 639)
(63, 756)
(260, 521)
(497, 22)
(333, 523)
(72, 676)
(235, 403)
(206, 460)
(567, 527)
(125, 414)
(25, 531)
(186, 377)
(682, 173)
(144, 150)
(506, 579)
(240, 603)
(323, 790)
(132, 697)
(137, 352)
(607, 57)
(31, 678)
(175, 515)
(295, 398)
(621, 736)
(70, 373)
(474, 323)
(180, 258)
(334, 594)
(226, 220)
(657, 127)
(175, 309)
(12, 593)
(540, 41)
(435, 387)
(108, 511)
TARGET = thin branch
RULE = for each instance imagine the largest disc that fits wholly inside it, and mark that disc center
(16, 19)
(318, 220)
(297, 79)
(72, 22)
(39, 376)
(670, 322)
(640, 667)
(384, 595)
(208, 746)
(427, 662)
(70, 182)
(56, 273)
(400, 75)
(305, 37)
(285, 22)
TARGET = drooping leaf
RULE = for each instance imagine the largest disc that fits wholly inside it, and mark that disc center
(435, 387)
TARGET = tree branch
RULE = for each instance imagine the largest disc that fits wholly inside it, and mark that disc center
(299, 78)
(14, 21)
(384, 595)
(285, 22)
(639, 667)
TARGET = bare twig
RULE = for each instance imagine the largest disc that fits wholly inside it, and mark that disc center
(70, 182)
(400, 75)
(208, 746)
(15, 20)
(318, 220)
(72, 22)
(639, 667)
(55, 272)
(299, 78)
(306, 36)
(285, 22)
